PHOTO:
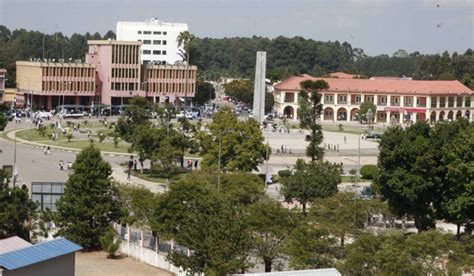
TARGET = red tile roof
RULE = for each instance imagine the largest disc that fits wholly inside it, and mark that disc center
(343, 75)
(413, 87)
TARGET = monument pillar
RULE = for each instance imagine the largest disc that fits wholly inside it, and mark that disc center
(259, 87)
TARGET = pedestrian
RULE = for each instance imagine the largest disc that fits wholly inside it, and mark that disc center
(130, 165)
(337, 148)
(69, 166)
(44, 150)
(61, 165)
(190, 165)
(345, 139)
(282, 149)
(195, 164)
(135, 163)
(48, 149)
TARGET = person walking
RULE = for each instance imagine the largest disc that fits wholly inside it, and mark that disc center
(69, 167)
(44, 150)
(195, 164)
(48, 150)
(135, 164)
(61, 165)
(345, 139)
(130, 165)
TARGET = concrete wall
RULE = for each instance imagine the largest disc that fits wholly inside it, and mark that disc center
(60, 266)
(29, 77)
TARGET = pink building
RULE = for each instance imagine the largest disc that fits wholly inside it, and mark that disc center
(110, 76)
(3, 73)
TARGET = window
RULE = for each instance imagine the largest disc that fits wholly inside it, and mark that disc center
(467, 101)
(146, 61)
(442, 102)
(156, 42)
(433, 102)
(408, 101)
(146, 41)
(156, 33)
(139, 32)
(369, 99)
(289, 97)
(156, 52)
(342, 99)
(450, 101)
(146, 52)
(163, 52)
(421, 101)
(146, 32)
(165, 33)
(382, 100)
(328, 98)
(357, 99)
(459, 101)
(164, 42)
(395, 101)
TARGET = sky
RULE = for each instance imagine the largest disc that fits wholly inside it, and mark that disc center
(378, 27)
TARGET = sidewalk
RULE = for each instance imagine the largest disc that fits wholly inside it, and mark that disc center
(119, 175)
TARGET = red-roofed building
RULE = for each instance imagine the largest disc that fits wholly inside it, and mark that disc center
(399, 100)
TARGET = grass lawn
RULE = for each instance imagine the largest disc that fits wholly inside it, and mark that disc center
(350, 178)
(157, 177)
(80, 144)
(32, 134)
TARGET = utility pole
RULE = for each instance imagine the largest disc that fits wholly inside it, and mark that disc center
(14, 149)
(219, 165)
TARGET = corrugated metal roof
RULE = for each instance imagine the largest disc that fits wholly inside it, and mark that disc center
(12, 244)
(37, 253)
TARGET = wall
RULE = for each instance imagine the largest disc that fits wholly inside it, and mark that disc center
(148, 256)
(28, 77)
(60, 266)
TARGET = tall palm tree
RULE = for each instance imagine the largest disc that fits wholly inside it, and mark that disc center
(184, 39)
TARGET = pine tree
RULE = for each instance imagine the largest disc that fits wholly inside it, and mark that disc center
(90, 202)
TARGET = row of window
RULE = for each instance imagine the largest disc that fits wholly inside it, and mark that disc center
(169, 87)
(124, 73)
(452, 101)
(122, 86)
(125, 54)
(169, 74)
(155, 52)
(158, 62)
(68, 72)
(154, 32)
(87, 86)
(155, 42)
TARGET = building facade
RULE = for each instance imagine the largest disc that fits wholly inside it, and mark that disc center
(158, 38)
(3, 73)
(399, 101)
(111, 74)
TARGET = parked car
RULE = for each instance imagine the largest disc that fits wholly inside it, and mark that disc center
(374, 136)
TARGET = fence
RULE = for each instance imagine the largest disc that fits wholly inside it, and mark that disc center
(145, 247)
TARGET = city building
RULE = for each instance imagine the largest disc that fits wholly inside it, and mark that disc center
(55, 257)
(111, 74)
(12, 96)
(3, 73)
(397, 101)
(159, 39)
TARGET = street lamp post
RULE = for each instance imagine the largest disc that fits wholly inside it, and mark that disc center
(219, 165)
(14, 147)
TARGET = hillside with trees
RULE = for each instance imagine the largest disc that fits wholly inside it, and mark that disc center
(235, 57)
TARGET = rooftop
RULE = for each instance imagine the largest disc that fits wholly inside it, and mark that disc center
(343, 75)
(113, 42)
(152, 22)
(37, 253)
(12, 244)
(50, 63)
(416, 87)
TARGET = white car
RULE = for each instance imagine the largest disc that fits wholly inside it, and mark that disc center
(42, 115)
(251, 115)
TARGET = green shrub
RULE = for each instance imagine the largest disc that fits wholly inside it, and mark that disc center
(368, 171)
(108, 244)
(284, 173)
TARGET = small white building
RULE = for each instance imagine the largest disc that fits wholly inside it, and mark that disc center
(159, 39)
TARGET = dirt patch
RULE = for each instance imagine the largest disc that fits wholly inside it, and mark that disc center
(96, 263)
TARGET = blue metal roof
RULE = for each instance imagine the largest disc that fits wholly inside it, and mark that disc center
(37, 253)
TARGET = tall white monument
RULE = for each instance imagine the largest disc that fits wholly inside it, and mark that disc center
(259, 88)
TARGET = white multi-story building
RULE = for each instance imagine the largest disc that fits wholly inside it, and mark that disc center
(159, 39)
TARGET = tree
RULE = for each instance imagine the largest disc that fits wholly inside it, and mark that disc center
(146, 141)
(239, 144)
(136, 114)
(406, 179)
(90, 202)
(341, 214)
(269, 102)
(3, 121)
(194, 214)
(240, 90)
(310, 182)
(310, 247)
(270, 225)
(364, 108)
(17, 210)
(108, 242)
(167, 155)
(453, 144)
(309, 112)
(427, 253)
(205, 91)
(139, 202)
